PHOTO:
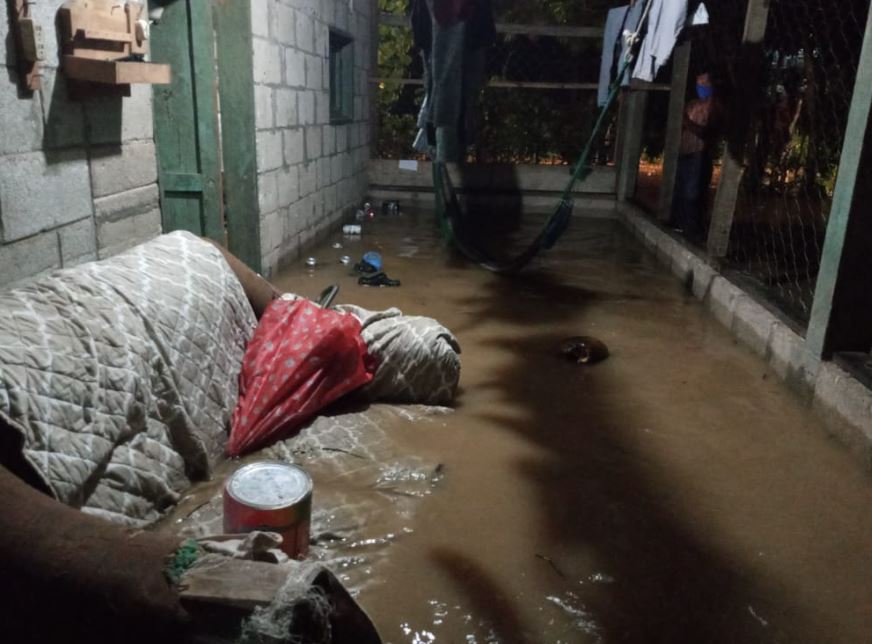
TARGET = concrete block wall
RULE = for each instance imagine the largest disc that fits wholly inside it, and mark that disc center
(78, 180)
(310, 171)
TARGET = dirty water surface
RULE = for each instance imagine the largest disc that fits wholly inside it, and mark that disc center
(675, 492)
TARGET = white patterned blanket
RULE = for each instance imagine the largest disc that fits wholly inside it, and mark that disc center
(121, 375)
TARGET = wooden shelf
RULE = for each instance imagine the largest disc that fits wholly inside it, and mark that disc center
(112, 72)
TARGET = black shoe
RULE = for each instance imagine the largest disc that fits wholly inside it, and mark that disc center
(379, 279)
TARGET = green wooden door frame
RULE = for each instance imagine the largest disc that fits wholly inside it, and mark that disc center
(186, 121)
(232, 21)
(841, 317)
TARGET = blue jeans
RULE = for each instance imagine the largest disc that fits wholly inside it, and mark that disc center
(691, 188)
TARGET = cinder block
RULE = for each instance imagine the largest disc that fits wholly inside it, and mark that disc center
(268, 191)
(117, 119)
(260, 17)
(722, 300)
(29, 257)
(78, 242)
(313, 143)
(130, 203)
(118, 169)
(342, 18)
(322, 39)
(271, 230)
(308, 178)
(305, 32)
(116, 236)
(314, 72)
(284, 29)
(270, 154)
(263, 106)
(322, 103)
(325, 172)
(22, 128)
(294, 148)
(39, 191)
(752, 324)
(337, 167)
(354, 136)
(341, 138)
(306, 107)
(295, 68)
(267, 62)
(286, 108)
(289, 186)
(64, 119)
(787, 355)
(703, 275)
(329, 142)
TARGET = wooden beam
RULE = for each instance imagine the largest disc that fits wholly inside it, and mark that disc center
(672, 147)
(116, 73)
(631, 120)
(741, 111)
(841, 317)
(557, 31)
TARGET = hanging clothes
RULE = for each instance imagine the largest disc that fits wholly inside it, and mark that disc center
(618, 20)
(666, 21)
(452, 36)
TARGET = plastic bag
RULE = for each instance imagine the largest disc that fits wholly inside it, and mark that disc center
(300, 359)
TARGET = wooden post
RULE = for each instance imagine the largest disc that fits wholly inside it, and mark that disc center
(841, 318)
(236, 89)
(741, 111)
(632, 123)
(672, 147)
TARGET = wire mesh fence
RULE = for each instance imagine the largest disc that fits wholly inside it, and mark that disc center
(811, 53)
(539, 104)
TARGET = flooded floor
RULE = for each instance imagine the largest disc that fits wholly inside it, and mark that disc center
(677, 492)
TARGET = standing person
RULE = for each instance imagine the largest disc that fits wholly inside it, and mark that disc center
(695, 160)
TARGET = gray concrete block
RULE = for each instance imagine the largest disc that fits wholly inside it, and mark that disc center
(270, 153)
(329, 140)
(267, 62)
(703, 275)
(341, 138)
(78, 242)
(325, 172)
(314, 141)
(354, 135)
(306, 107)
(271, 230)
(260, 17)
(314, 72)
(39, 191)
(264, 117)
(788, 357)
(268, 191)
(29, 258)
(294, 146)
(118, 169)
(120, 119)
(284, 29)
(722, 299)
(115, 236)
(295, 68)
(286, 108)
(339, 167)
(20, 116)
(752, 324)
(305, 28)
(308, 178)
(289, 186)
(322, 107)
(321, 45)
(130, 203)
(64, 119)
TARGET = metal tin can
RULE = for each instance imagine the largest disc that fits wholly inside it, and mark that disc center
(311, 262)
(272, 497)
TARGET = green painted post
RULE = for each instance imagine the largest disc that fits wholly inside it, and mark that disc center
(633, 107)
(841, 318)
(732, 168)
(672, 147)
(236, 90)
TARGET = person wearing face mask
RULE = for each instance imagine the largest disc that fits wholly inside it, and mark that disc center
(699, 137)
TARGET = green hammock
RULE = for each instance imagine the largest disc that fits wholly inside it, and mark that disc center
(455, 224)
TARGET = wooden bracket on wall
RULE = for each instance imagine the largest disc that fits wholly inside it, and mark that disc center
(106, 41)
(29, 43)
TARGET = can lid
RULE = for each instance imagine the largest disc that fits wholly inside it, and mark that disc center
(268, 485)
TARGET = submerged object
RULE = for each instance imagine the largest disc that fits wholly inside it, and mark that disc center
(272, 497)
(584, 349)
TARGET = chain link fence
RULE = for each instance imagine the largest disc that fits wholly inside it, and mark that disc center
(538, 107)
(810, 56)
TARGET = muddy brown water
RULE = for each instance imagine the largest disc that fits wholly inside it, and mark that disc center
(676, 492)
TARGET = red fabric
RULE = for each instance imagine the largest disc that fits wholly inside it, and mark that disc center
(449, 12)
(301, 359)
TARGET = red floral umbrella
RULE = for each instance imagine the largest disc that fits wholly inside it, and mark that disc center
(301, 359)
